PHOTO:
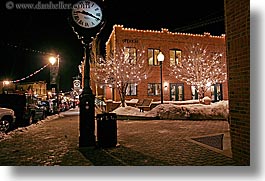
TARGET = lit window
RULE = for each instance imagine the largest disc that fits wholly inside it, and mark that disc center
(154, 89)
(130, 55)
(175, 57)
(152, 56)
(131, 90)
(194, 93)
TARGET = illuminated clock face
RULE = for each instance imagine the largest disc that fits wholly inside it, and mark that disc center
(87, 14)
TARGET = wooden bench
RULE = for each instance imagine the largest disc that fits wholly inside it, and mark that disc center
(144, 104)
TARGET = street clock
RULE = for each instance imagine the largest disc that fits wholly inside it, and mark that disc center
(87, 14)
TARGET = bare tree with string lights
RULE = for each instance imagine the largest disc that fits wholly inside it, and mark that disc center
(201, 67)
(127, 66)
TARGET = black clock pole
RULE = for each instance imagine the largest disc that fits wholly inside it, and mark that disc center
(86, 30)
(87, 136)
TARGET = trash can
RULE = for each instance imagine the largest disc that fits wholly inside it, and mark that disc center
(107, 130)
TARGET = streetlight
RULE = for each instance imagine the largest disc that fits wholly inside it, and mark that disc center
(6, 84)
(54, 73)
(160, 58)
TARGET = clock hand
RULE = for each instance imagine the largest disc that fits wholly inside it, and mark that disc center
(89, 14)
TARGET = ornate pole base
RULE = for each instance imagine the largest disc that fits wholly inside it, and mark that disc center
(87, 136)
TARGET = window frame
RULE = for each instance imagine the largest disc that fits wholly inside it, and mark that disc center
(155, 89)
(127, 50)
(175, 59)
(154, 59)
(130, 86)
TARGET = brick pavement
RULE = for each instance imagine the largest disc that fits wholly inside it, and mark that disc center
(140, 143)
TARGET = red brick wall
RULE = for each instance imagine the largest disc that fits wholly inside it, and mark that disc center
(237, 16)
(163, 40)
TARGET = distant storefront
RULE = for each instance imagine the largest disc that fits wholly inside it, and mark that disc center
(37, 89)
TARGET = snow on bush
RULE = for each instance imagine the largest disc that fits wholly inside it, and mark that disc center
(206, 98)
(128, 111)
(168, 111)
(218, 110)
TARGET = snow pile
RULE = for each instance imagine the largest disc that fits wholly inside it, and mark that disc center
(132, 101)
(168, 111)
(218, 110)
(179, 102)
(206, 99)
(128, 111)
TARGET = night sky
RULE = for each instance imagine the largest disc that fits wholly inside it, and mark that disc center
(29, 36)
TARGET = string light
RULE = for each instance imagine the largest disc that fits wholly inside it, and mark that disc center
(30, 75)
(32, 51)
(201, 68)
(121, 69)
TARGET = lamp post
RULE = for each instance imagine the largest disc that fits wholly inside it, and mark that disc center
(160, 58)
(87, 136)
(6, 84)
(55, 61)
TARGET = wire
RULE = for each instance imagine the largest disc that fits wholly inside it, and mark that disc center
(27, 49)
(200, 24)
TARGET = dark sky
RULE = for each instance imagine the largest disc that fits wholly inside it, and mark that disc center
(29, 36)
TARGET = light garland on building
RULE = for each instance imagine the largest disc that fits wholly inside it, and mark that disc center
(163, 31)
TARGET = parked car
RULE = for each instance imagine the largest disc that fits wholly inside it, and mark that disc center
(45, 105)
(39, 113)
(64, 106)
(24, 106)
(7, 119)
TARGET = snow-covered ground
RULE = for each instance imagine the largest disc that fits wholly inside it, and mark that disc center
(27, 128)
(172, 110)
(169, 110)
(74, 111)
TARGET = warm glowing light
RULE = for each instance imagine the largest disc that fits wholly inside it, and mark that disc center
(6, 82)
(160, 57)
(165, 84)
(52, 60)
(208, 84)
(200, 68)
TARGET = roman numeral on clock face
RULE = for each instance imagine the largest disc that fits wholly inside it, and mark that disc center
(76, 18)
(86, 24)
(80, 22)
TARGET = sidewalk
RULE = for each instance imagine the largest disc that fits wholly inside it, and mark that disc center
(140, 143)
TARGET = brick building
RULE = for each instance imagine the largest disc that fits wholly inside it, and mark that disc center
(37, 88)
(237, 15)
(172, 45)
